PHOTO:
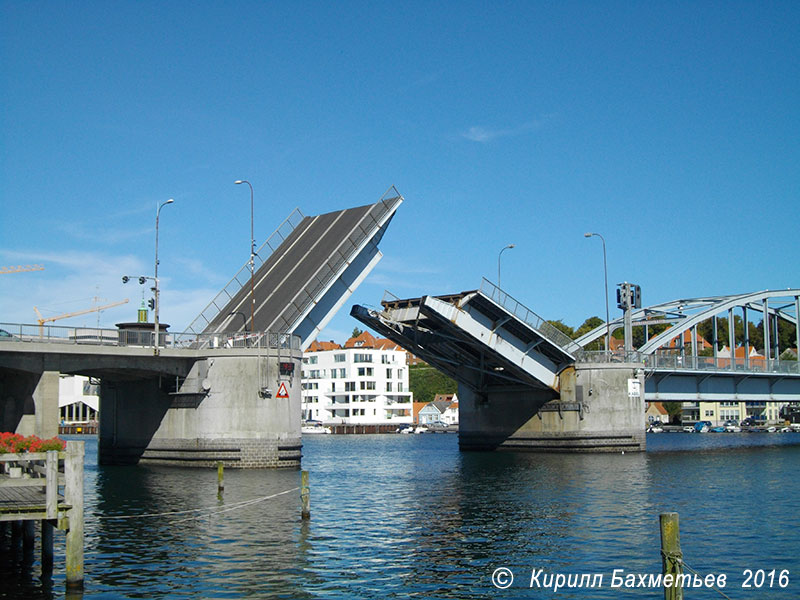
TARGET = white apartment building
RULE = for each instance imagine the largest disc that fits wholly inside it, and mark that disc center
(363, 383)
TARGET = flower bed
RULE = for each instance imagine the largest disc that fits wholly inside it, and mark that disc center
(14, 443)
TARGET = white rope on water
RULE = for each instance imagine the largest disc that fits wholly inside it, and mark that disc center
(209, 510)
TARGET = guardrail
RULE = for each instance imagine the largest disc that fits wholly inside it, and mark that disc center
(691, 363)
(526, 315)
(92, 336)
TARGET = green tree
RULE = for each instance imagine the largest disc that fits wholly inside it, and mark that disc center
(586, 327)
(357, 332)
(426, 381)
(674, 409)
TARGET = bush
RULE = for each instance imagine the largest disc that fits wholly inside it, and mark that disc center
(14, 443)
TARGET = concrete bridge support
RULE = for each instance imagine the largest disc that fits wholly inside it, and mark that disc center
(227, 409)
(29, 402)
(600, 409)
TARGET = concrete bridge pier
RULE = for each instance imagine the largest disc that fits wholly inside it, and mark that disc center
(228, 408)
(600, 409)
(29, 401)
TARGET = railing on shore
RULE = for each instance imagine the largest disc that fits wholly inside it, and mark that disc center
(93, 336)
(691, 363)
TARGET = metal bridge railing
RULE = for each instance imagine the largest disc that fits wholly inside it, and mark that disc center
(526, 315)
(242, 277)
(603, 356)
(340, 257)
(679, 362)
(93, 336)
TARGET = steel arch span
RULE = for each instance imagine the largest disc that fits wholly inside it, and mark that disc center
(684, 315)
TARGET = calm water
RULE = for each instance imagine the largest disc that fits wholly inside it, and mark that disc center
(409, 516)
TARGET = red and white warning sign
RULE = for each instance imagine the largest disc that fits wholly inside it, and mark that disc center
(282, 391)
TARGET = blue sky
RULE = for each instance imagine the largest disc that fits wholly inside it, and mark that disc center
(672, 128)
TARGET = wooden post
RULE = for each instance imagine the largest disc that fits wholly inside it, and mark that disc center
(47, 547)
(28, 540)
(16, 535)
(73, 495)
(220, 478)
(51, 489)
(671, 556)
(305, 496)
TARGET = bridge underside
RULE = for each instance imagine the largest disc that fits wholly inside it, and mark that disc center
(517, 386)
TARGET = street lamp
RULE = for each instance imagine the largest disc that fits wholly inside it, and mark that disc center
(605, 271)
(155, 279)
(498, 261)
(252, 257)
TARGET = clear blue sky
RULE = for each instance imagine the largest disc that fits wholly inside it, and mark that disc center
(672, 128)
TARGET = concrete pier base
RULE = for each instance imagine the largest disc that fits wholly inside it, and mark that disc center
(243, 411)
(600, 409)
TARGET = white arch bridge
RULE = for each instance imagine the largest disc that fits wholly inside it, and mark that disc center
(756, 362)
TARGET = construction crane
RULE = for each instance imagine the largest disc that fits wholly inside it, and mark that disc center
(20, 269)
(42, 320)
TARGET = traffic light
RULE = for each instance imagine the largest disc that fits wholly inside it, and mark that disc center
(151, 303)
(141, 280)
(125, 279)
(636, 293)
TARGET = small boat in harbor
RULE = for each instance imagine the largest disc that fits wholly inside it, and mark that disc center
(312, 427)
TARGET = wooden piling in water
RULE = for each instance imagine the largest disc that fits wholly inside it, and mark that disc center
(671, 556)
(73, 495)
(305, 496)
(220, 478)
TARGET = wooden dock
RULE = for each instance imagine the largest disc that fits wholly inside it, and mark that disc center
(45, 487)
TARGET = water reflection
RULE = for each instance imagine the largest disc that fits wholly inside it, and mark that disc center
(411, 516)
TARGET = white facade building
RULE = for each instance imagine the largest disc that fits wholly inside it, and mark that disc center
(363, 384)
(78, 399)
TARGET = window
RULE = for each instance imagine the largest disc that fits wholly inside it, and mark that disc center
(342, 373)
(362, 358)
(349, 386)
(339, 357)
(365, 371)
(333, 386)
(310, 360)
(388, 373)
(384, 359)
(367, 385)
(388, 386)
(400, 386)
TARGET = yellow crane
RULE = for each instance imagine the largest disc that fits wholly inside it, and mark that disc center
(42, 320)
(20, 269)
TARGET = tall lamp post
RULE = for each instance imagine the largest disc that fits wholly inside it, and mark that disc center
(155, 279)
(605, 272)
(498, 261)
(252, 257)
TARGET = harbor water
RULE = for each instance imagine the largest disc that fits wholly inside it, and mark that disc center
(409, 516)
